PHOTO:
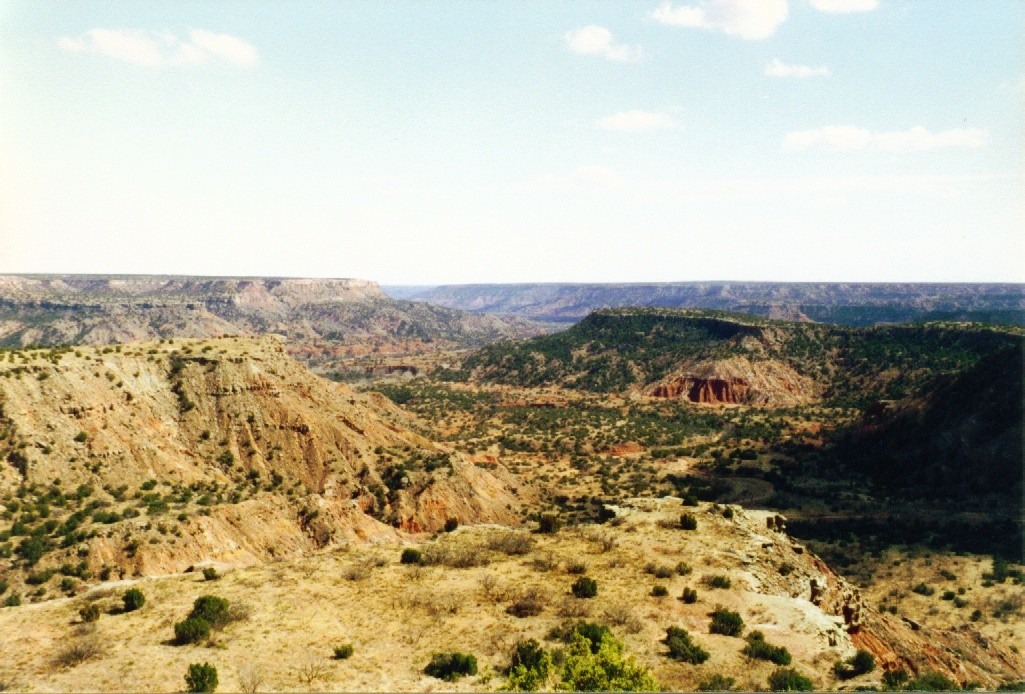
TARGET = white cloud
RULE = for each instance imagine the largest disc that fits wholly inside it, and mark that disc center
(844, 6)
(777, 68)
(748, 19)
(634, 121)
(160, 49)
(846, 138)
(596, 40)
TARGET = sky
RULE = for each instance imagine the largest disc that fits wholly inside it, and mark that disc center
(529, 141)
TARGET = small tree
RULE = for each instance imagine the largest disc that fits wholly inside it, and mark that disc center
(688, 522)
(549, 524)
(858, 664)
(90, 613)
(211, 609)
(689, 596)
(343, 652)
(133, 599)
(451, 524)
(201, 678)
(210, 574)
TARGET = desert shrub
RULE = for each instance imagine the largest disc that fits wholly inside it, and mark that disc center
(716, 683)
(727, 512)
(451, 666)
(789, 680)
(659, 570)
(931, 682)
(454, 557)
(411, 556)
(725, 622)
(574, 567)
(3, 586)
(511, 543)
(79, 650)
(13, 600)
(923, 589)
(451, 524)
(81, 437)
(682, 647)
(895, 679)
(718, 581)
(689, 596)
(688, 522)
(201, 678)
(1018, 686)
(659, 591)
(133, 599)
(549, 524)
(344, 651)
(858, 664)
(760, 649)
(210, 574)
(683, 569)
(786, 569)
(211, 609)
(90, 613)
(191, 630)
(624, 616)
(529, 604)
(584, 587)
(594, 660)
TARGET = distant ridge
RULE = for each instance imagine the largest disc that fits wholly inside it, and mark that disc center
(843, 303)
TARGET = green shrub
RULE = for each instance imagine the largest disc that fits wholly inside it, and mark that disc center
(948, 595)
(760, 649)
(133, 599)
(716, 683)
(789, 680)
(725, 622)
(201, 678)
(895, 679)
(210, 574)
(343, 652)
(13, 600)
(584, 587)
(682, 647)
(411, 556)
(688, 522)
(549, 524)
(719, 581)
(683, 569)
(931, 682)
(451, 524)
(593, 661)
(211, 609)
(191, 630)
(90, 613)
(3, 586)
(81, 437)
(690, 596)
(727, 512)
(923, 589)
(858, 664)
(451, 666)
(659, 591)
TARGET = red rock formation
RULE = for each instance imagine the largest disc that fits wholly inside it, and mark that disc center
(737, 381)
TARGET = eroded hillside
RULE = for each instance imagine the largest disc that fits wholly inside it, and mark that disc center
(147, 458)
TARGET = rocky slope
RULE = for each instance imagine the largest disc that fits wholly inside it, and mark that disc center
(149, 457)
(294, 612)
(849, 303)
(321, 317)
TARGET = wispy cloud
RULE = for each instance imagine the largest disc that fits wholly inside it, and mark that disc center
(634, 121)
(161, 49)
(844, 6)
(848, 138)
(748, 19)
(777, 68)
(596, 40)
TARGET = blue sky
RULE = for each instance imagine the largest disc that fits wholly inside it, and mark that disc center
(445, 142)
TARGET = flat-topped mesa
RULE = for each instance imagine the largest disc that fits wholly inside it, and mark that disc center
(292, 291)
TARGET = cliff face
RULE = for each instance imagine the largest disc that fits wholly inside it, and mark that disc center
(738, 381)
(261, 457)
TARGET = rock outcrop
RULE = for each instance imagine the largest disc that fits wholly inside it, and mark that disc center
(738, 381)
